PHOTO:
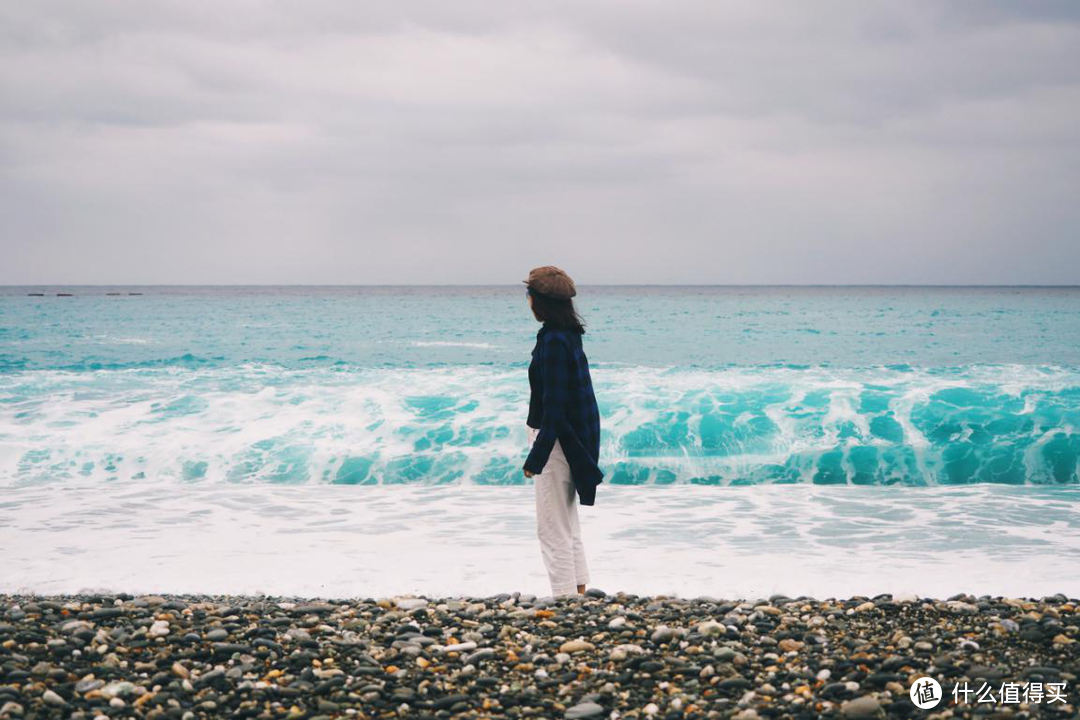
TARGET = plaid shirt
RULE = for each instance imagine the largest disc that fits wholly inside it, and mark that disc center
(563, 407)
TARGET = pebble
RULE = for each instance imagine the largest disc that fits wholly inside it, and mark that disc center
(50, 697)
(621, 652)
(117, 689)
(479, 655)
(575, 646)
(584, 710)
(863, 708)
(410, 603)
(958, 606)
(725, 654)
(514, 656)
(664, 634)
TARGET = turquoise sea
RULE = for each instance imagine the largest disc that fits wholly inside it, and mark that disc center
(810, 418)
(387, 385)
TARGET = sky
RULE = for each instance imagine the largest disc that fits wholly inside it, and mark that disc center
(675, 141)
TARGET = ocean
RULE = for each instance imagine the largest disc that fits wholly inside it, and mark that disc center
(345, 440)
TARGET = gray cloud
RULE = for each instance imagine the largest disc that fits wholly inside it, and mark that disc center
(845, 142)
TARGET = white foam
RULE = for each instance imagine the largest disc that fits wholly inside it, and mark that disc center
(467, 540)
(249, 422)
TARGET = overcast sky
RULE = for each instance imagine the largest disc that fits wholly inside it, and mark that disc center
(326, 141)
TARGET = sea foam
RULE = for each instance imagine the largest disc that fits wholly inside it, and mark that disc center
(259, 423)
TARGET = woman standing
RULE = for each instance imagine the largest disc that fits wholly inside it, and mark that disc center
(564, 429)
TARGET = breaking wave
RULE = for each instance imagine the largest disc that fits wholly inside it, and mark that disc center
(261, 423)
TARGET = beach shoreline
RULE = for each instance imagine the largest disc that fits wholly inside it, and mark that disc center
(516, 655)
(316, 540)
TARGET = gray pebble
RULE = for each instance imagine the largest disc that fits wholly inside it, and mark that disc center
(584, 710)
(863, 708)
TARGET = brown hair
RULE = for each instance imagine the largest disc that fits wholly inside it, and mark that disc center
(556, 312)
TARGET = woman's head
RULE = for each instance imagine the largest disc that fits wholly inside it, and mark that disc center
(555, 312)
(551, 293)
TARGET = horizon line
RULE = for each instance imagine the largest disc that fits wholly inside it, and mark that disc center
(384, 285)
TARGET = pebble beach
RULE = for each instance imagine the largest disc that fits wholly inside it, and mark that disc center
(516, 656)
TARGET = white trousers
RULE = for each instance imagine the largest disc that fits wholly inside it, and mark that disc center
(557, 524)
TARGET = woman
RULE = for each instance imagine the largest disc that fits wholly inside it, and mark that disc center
(564, 429)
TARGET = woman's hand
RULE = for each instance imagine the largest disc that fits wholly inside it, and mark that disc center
(529, 474)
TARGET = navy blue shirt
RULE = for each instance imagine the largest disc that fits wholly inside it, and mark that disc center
(563, 407)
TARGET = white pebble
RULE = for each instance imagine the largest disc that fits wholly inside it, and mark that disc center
(459, 647)
(410, 603)
(52, 698)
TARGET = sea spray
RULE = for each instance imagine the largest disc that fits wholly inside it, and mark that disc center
(465, 424)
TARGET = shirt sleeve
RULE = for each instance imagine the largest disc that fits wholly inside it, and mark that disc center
(556, 392)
